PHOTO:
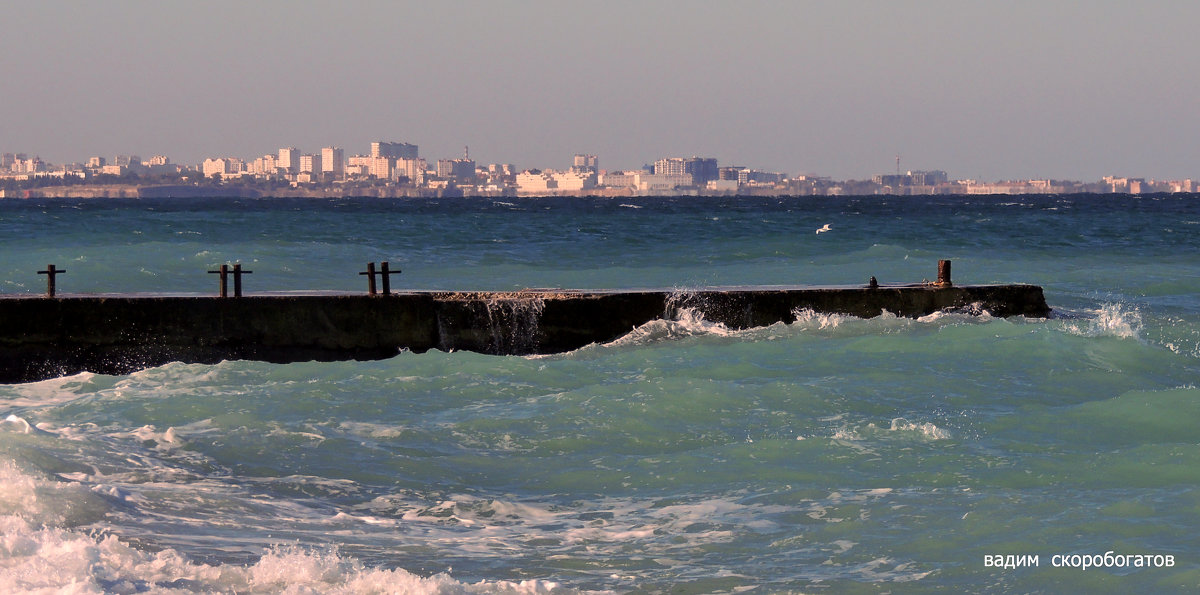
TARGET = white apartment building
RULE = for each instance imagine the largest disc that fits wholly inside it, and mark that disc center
(333, 162)
(413, 169)
(289, 160)
(310, 164)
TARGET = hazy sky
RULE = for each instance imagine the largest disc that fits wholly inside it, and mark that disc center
(986, 90)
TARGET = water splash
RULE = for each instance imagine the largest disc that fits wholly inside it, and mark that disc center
(513, 323)
(1111, 320)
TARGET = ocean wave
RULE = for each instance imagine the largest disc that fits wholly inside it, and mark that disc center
(51, 392)
(43, 552)
(686, 322)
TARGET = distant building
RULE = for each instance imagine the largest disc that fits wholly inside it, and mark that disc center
(644, 181)
(381, 167)
(97, 162)
(22, 165)
(413, 169)
(554, 182)
(502, 169)
(289, 160)
(702, 169)
(535, 182)
(264, 167)
(220, 165)
(310, 164)
(912, 178)
(586, 163)
(393, 150)
(333, 162)
(459, 169)
(928, 178)
(574, 181)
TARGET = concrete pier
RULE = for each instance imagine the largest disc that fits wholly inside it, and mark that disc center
(44, 337)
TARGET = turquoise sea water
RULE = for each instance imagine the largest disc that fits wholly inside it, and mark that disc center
(833, 454)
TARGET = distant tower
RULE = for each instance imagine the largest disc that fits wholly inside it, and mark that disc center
(897, 165)
(466, 152)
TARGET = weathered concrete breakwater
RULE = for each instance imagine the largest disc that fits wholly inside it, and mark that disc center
(43, 337)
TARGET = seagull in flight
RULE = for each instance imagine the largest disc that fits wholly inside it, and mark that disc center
(826, 228)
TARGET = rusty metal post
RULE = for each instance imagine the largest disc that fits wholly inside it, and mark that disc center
(237, 279)
(873, 283)
(943, 273)
(386, 274)
(224, 273)
(370, 273)
(50, 273)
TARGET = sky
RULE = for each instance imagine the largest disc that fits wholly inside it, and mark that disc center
(982, 90)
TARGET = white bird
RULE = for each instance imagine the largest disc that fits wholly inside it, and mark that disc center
(826, 228)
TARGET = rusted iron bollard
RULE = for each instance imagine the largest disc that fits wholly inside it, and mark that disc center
(50, 273)
(237, 279)
(873, 283)
(385, 275)
(383, 272)
(370, 273)
(224, 273)
(943, 273)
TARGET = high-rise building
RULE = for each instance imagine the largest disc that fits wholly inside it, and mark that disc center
(381, 167)
(413, 169)
(310, 164)
(393, 150)
(586, 163)
(462, 170)
(289, 160)
(333, 162)
(702, 169)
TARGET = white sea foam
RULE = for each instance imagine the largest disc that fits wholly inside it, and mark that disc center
(55, 560)
(807, 317)
(898, 427)
(41, 553)
(54, 391)
(1110, 320)
(926, 429)
(687, 322)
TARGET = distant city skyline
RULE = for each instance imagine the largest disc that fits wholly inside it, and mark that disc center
(1064, 90)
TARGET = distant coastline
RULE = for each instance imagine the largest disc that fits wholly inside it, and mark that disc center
(199, 191)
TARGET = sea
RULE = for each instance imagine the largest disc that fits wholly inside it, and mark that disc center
(952, 453)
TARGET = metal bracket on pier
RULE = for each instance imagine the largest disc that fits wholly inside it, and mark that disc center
(50, 273)
(384, 273)
(224, 272)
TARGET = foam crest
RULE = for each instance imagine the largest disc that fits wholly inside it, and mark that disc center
(53, 391)
(41, 501)
(807, 317)
(686, 322)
